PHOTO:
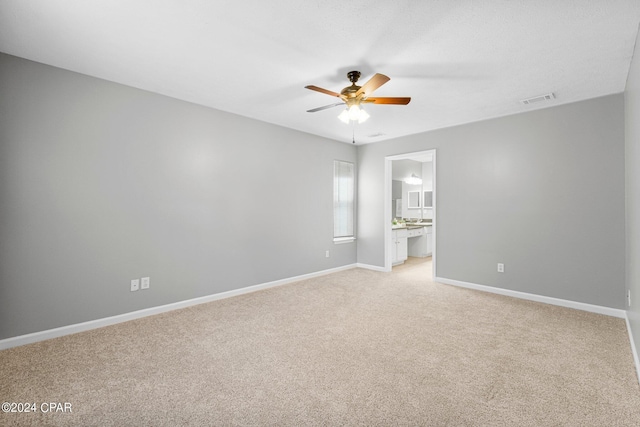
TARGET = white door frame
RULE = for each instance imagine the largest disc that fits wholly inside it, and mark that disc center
(387, 204)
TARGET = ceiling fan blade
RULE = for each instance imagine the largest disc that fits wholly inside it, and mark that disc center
(321, 90)
(388, 100)
(325, 107)
(374, 83)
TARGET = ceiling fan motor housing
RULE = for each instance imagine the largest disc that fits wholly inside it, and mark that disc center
(349, 92)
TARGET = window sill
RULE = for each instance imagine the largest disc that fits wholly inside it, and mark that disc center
(341, 240)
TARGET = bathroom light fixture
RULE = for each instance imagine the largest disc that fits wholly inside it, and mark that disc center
(353, 114)
(413, 180)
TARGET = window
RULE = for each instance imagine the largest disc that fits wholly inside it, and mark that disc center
(343, 201)
(428, 199)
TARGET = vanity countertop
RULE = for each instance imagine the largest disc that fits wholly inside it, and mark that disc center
(411, 226)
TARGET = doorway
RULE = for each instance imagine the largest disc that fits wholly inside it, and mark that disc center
(421, 212)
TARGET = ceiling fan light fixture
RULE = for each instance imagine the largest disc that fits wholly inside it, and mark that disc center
(353, 114)
(344, 116)
(363, 116)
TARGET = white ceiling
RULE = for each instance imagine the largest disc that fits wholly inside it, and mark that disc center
(460, 61)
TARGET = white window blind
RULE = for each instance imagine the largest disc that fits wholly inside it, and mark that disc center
(343, 200)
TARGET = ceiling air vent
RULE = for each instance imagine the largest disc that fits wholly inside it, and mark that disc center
(376, 135)
(537, 99)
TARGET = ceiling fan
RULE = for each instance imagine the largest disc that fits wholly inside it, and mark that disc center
(354, 95)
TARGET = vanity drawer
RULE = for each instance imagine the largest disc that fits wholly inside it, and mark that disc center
(415, 232)
(400, 233)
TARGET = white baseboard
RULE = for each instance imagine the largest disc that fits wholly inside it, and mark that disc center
(634, 351)
(372, 267)
(99, 323)
(614, 312)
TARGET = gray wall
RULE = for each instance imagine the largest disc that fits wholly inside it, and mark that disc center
(541, 192)
(102, 183)
(402, 169)
(632, 157)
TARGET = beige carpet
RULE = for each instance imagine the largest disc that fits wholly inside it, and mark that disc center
(352, 348)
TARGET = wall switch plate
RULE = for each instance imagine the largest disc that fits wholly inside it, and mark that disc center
(145, 283)
(135, 285)
(500, 267)
(326, 254)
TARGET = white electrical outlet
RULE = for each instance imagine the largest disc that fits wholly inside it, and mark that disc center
(135, 285)
(326, 254)
(500, 267)
(145, 283)
(628, 297)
